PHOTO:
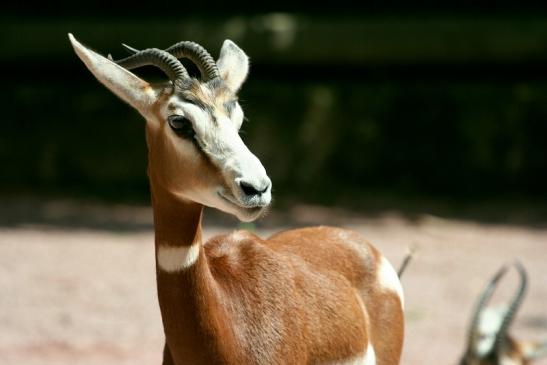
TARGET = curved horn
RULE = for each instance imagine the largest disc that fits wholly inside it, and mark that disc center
(161, 59)
(481, 304)
(197, 54)
(501, 336)
(130, 49)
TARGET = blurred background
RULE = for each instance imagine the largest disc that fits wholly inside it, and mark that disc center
(420, 126)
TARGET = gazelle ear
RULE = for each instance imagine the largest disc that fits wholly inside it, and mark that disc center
(130, 88)
(233, 65)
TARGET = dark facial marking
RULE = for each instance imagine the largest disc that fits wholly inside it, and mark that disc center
(183, 128)
(213, 118)
(230, 105)
(195, 101)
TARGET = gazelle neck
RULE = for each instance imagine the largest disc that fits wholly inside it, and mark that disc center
(188, 295)
(177, 223)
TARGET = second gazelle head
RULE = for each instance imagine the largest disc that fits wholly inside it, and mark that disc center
(488, 339)
(195, 151)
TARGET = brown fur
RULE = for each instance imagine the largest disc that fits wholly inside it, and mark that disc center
(308, 296)
(294, 298)
(290, 299)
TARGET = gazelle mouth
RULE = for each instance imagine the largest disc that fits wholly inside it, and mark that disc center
(239, 205)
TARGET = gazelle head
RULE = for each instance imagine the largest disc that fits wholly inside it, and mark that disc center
(489, 342)
(195, 151)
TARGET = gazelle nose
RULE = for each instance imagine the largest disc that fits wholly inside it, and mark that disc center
(253, 189)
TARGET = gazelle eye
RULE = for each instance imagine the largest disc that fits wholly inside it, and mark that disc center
(177, 121)
(182, 126)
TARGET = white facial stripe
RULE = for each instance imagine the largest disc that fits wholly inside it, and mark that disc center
(388, 279)
(173, 259)
(218, 138)
(222, 143)
(212, 138)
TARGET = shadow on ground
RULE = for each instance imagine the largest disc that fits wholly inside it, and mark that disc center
(81, 214)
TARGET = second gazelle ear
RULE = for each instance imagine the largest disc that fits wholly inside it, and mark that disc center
(233, 65)
(126, 85)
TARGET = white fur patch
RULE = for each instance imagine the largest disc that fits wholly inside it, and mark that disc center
(388, 279)
(370, 356)
(173, 259)
(490, 321)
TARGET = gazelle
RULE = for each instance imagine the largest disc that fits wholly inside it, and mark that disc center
(306, 296)
(489, 342)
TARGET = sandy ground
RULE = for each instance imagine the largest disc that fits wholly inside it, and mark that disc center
(82, 290)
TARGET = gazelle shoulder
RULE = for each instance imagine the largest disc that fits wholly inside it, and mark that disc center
(234, 243)
(239, 253)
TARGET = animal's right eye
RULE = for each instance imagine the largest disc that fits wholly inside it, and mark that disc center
(182, 126)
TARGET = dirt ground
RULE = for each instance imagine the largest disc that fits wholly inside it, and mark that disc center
(77, 283)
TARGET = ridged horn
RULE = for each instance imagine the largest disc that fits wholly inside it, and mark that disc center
(169, 64)
(481, 305)
(130, 49)
(501, 336)
(198, 55)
